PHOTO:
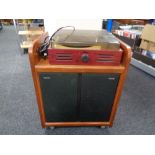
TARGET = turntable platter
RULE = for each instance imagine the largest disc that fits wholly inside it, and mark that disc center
(77, 45)
(91, 39)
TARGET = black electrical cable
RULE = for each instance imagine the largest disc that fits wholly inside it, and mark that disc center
(43, 48)
(61, 29)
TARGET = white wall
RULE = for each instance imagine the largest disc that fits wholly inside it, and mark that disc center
(52, 25)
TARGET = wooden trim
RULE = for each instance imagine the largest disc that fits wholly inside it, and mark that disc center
(34, 59)
(132, 21)
(126, 60)
(77, 124)
(40, 103)
(79, 68)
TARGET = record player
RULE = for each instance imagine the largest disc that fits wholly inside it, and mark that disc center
(84, 47)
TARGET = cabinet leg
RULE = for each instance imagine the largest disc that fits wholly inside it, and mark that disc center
(50, 128)
(103, 127)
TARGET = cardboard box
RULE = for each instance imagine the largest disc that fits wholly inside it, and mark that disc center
(152, 47)
(147, 45)
(148, 33)
(144, 44)
(148, 38)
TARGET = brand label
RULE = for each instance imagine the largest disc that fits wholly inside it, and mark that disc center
(111, 78)
(46, 77)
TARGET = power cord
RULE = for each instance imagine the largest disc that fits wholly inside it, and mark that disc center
(43, 50)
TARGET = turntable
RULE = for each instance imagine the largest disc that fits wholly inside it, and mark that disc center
(84, 47)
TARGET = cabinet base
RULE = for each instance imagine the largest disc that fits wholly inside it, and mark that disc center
(55, 124)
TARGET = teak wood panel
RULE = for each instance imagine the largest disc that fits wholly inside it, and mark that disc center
(40, 65)
(34, 59)
(126, 60)
(77, 124)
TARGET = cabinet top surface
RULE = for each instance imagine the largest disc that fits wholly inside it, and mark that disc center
(44, 65)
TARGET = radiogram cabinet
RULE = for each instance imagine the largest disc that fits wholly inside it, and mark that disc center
(76, 95)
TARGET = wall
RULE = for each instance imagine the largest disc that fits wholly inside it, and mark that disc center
(52, 25)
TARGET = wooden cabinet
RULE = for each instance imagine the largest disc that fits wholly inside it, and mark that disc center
(77, 95)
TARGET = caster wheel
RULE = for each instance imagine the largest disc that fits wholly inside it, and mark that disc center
(103, 127)
(50, 128)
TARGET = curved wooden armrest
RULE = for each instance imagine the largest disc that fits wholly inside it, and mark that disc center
(127, 53)
(34, 59)
(33, 52)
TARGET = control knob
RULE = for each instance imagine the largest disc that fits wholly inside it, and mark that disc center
(85, 57)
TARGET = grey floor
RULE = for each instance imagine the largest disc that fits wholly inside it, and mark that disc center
(18, 107)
